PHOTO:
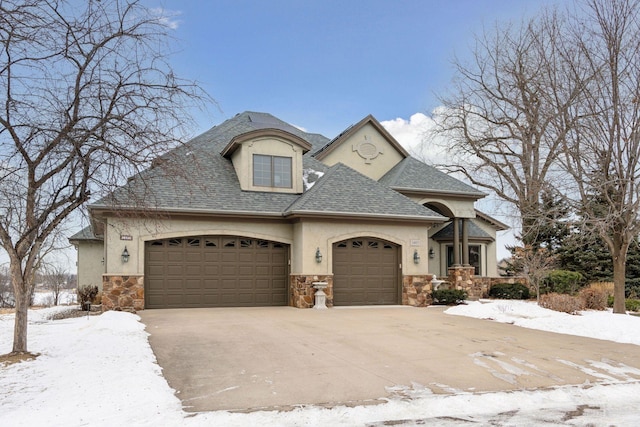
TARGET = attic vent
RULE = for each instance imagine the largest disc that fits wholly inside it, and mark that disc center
(367, 149)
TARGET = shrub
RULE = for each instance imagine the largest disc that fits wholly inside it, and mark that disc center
(593, 298)
(562, 282)
(448, 296)
(561, 302)
(86, 294)
(632, 305)
(509, 291)
(606, 287)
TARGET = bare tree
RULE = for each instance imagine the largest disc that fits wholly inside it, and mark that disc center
(508, 113)
(6, 291)
(534, 264)
(54, 279)
(87, 97)
(602, 153)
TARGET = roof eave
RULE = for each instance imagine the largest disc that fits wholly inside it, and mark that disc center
(364, 215)
(424, 192)
(261, 133)
(331, 145)
(500, 226)
(163, 211)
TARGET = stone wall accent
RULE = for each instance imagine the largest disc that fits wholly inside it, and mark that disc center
(477, 287)
(462, 278)
(416, 290)
(302, 292)
(122, 293)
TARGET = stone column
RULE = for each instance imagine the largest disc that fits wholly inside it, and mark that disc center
(302, 292)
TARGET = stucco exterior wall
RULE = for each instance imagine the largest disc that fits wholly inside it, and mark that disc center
(491, 249)
(386, 157)
(322, 234)
(141, 231)
(304, 238)
(458, 208)
(243, 162)
(89, 263)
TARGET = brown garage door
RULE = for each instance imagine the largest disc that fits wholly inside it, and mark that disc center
(365, 272)
(215, 271)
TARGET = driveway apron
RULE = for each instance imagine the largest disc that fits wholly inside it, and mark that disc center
(281, 357)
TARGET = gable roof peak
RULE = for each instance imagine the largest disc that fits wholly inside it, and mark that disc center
(349, 131)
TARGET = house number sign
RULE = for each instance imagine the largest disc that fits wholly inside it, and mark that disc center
(126, 237)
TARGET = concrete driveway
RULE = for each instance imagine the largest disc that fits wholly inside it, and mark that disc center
(275, 358)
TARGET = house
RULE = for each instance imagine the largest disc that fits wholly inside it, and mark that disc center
(266, 210)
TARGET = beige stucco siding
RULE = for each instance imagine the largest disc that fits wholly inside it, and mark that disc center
(242, 160)
(348, 153)
(458, 208)
(141, 231)
(90, 264)
(490, 248)
(304, 237)
(323, 234)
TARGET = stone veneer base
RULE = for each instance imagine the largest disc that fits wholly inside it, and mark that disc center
(302, 292)
(122, 293)
(416, 290)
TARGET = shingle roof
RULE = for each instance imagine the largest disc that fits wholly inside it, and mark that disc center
(473, 231)
(212, 184)
(412, 174)
(213, 187)
(342, 190)
(84, 234)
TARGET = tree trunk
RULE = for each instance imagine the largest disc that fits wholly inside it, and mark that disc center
(619, 270)
(23, 298)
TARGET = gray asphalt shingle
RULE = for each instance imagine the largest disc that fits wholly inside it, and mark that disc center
(413, 174)
(210, 184)
(343, 190)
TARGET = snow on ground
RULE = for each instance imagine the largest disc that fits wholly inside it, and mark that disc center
(100, 371)
(45, 298)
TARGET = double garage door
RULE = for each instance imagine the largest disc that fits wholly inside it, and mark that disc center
(228, 271)
(215, 271)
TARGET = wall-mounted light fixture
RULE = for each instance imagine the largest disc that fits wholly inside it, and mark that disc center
(416, 257)
(125, 255)
(318, 256)
(432, 253)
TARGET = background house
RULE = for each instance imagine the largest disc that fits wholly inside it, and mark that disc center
(265, 210)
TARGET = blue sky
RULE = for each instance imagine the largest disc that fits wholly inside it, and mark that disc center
(324, 65)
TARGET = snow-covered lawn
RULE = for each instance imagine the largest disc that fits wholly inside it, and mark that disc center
(100, 371)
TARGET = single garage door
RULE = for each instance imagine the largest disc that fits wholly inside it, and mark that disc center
(215, 271)
(366, 271)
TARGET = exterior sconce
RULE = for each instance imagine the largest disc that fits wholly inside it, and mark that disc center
(318, 256)
(416, 257)
(432, 254)
(125, 255)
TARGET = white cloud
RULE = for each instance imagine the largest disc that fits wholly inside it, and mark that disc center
(166, 17)
(415, 135)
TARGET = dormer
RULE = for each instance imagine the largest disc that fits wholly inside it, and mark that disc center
(268, 160)
(366, 147)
